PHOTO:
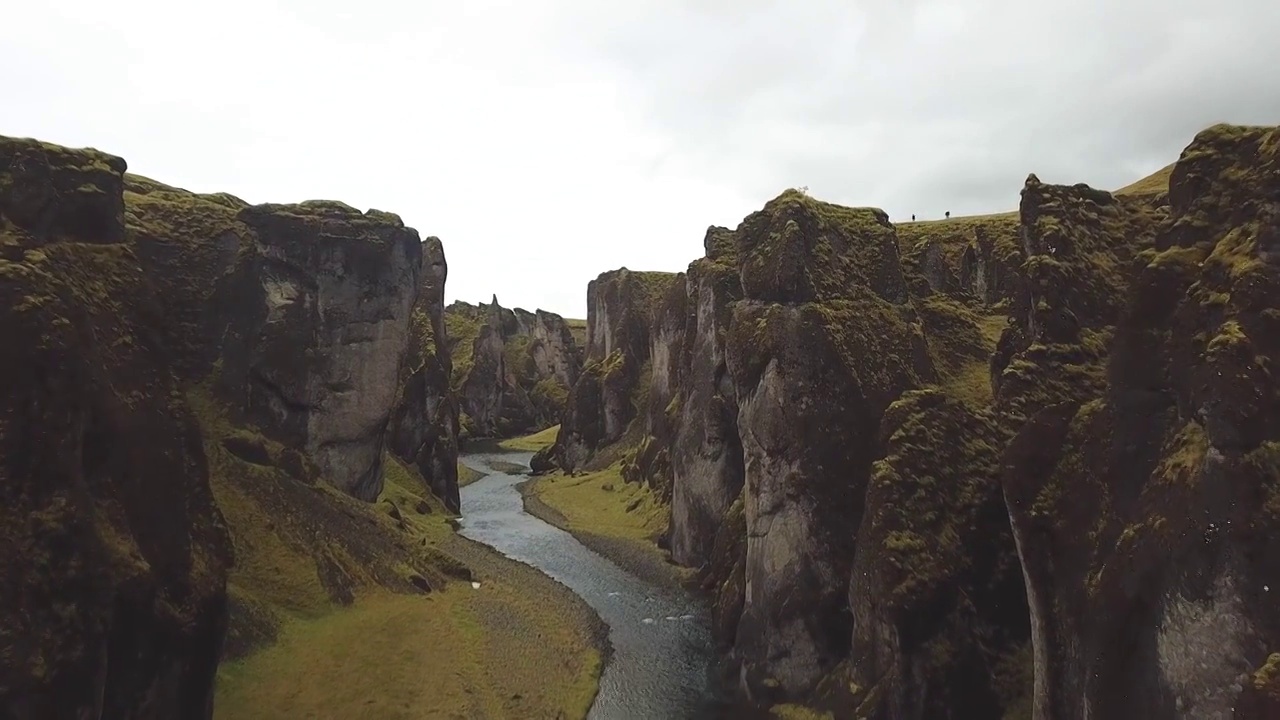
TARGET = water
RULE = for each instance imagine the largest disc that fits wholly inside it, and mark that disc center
(661, 643)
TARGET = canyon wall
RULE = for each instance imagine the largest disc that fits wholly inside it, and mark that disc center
(184, 372)
(114, 557)
(514, 370)
(1015, 466)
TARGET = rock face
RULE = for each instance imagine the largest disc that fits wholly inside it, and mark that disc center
(1164, 608)
(623, 307)
(306, 312)
(706, 454)
(424, 426)
(321, 316)
(113, 557)
(939, 611)
(824, 339)
(976, 259)
(1027, 469)
(514, 367)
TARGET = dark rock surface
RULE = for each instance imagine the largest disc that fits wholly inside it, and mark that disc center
(113, 557)
(423, 429)
(623, 309)
(1026, 469)
(1164, 606)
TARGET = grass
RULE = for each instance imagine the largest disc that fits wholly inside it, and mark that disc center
(1153, 184)
(617, 519)
(602, 503)
(467, 474)
(797, 712)
(326, 621)
(402, 657)
(534, 442)
(578, 329)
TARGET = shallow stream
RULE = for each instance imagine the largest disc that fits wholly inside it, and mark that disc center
(661, 643)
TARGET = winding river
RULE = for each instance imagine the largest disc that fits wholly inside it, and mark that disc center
(661, 644)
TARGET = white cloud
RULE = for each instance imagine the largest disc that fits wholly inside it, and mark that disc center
(548, 142)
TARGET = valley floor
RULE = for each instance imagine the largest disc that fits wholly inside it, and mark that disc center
(520, 645)
(344, 609)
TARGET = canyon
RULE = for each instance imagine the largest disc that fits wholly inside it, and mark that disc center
(1011, 466)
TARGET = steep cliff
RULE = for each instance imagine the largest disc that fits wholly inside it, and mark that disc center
(514, 369)
(113, 558)
(321, 309)
(623, 308)
(977, 258)
(1151, 580)
(1010, 466)
(706, 453)
(824, 340)
(424, 425)
(303, 310)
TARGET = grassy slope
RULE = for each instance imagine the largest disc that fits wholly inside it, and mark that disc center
(617, 519)
(1153, 184)
(519, 646)
(534, 442)
(578, 328)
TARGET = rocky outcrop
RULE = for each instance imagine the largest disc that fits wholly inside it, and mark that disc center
(305, 311)
(623, 308)
(113, 558)
(824, 340)
(974, 258)
(515, 367)
(650, 461)
(706, 453)
(939, 612)
(424, 425)
(1164, 606)
(320, 316)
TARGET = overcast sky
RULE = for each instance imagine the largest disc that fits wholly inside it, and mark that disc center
(548, 141)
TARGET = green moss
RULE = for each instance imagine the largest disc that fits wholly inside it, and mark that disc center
(578, 329)
(519, 363)
(791, 711)
(1268, 676)
(1183, 455)
(462, 326)
(940, 471)
(549, 392)
(534, 442)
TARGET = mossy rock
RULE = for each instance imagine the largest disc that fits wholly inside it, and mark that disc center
(798, 249)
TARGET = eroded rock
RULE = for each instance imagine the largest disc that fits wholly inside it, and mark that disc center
(113, 557)
(320, 320)
(1150, 579)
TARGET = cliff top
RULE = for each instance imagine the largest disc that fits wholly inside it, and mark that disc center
(800, 249)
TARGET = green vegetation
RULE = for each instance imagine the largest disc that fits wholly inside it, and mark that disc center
(798, 712)
(909, 233)
(1153, 184)
(602, 503)
(960, 345)
(534, 442)
(578, 329)
(620, 520)
(336, 623)
(467, 474)
(548, 392)
(519, 363)
(462, 325)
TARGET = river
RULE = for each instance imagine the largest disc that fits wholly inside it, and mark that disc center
(662, 649)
